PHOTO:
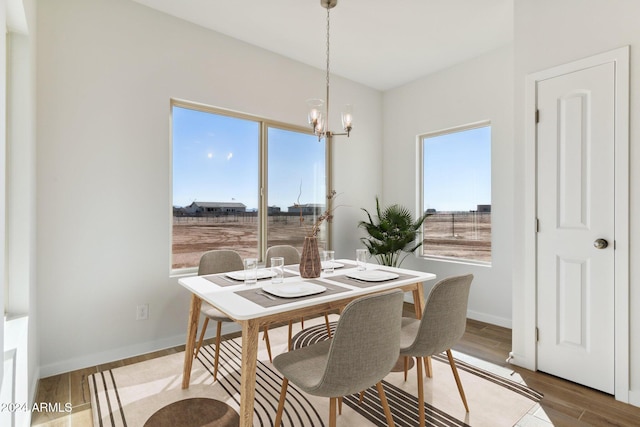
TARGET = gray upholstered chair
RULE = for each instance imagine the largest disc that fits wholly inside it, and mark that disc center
(214, 262)
(291, 256)
(364, 348)
(442, 325)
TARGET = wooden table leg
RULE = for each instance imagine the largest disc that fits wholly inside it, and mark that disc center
(418, 304)
(250, 332)
(418, 300)
(192, 330)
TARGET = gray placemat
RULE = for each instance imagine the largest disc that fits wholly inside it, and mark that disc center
(224, 280)
(253, 296)
(364, 284)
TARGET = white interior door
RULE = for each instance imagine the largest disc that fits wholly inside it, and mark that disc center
(575, 239)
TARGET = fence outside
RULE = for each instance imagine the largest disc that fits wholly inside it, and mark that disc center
(464, 235)
(194, 235)
(460, 235)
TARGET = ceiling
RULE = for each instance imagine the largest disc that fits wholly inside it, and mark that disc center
(381, 44)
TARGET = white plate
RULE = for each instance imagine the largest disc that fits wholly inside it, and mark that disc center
(325, 264)
(372, 275)
(294, 290)
(262, 273)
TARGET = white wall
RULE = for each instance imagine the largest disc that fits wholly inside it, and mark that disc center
(3, 166)
(106, 72)
(20, 333)
(550, 33)
(476, 90)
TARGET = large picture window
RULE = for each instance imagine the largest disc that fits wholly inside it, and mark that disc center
(242, 183)
(456, 192)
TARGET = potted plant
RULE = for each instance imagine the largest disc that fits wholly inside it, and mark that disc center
(393, 233)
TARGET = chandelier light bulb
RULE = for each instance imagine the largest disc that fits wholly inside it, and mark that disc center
(347, 118)
(315, 111)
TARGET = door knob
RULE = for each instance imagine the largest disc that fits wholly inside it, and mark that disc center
(600, 244)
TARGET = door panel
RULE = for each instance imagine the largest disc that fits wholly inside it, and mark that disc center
(575, 199)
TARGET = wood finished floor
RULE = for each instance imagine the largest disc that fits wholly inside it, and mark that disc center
(565, 403)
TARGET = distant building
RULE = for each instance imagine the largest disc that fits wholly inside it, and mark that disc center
(273, 210)
(431, 211)
(307, 209)
(484, 208)
(215, 208)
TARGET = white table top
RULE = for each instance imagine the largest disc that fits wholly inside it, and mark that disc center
(237, 307)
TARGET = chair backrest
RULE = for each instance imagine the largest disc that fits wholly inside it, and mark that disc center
(444, 317)
(220, 261)
(365, 345)
(289, 253)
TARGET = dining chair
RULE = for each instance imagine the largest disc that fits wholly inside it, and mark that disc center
(442, 325)
(214, 262)
(291, 256)
(364, 348)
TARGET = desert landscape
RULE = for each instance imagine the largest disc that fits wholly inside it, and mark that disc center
(452, 234)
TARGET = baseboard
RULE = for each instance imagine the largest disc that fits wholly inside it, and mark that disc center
(487, 318)
(481, 317)
(124, 352)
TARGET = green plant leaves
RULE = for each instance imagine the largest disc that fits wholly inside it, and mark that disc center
(393, 233)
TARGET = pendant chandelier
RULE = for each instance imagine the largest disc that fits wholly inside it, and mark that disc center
(318, 108)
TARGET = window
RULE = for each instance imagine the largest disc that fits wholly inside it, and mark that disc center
(296, 186)
(242, 183)
(456, 192)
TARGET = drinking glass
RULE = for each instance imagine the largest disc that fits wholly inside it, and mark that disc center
(250, 271)
(361, 259)
(277, 269)
(327, 258)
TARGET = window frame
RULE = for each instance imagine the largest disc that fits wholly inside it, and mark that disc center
(420, 207)
(263, 127)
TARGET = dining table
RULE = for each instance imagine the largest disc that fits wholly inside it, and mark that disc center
(258, 305)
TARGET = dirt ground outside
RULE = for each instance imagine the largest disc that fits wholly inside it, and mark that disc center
(192, 236)
(456, 234)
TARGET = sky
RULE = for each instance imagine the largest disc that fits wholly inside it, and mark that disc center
(215, 159)
(457, 170)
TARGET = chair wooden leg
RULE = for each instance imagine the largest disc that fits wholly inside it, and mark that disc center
(283, 397)
(332, 411)
(290, 333)
(361, 398)
(204, 329)
(406, 367)
(385, 404)
(421, 415)
(458, 383)
(266, 340)
(302, 322)
(427, 367)
(326, 321)
(217, 353)
(340, 405)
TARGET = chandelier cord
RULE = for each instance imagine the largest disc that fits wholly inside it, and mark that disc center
(326, 120)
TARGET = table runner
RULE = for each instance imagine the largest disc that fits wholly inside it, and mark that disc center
(253, 296)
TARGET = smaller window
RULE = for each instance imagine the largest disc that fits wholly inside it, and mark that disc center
(456, 192)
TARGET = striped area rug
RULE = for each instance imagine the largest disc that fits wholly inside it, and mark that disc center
(131, 395)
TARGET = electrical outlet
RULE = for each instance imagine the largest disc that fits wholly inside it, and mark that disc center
(142, 312)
